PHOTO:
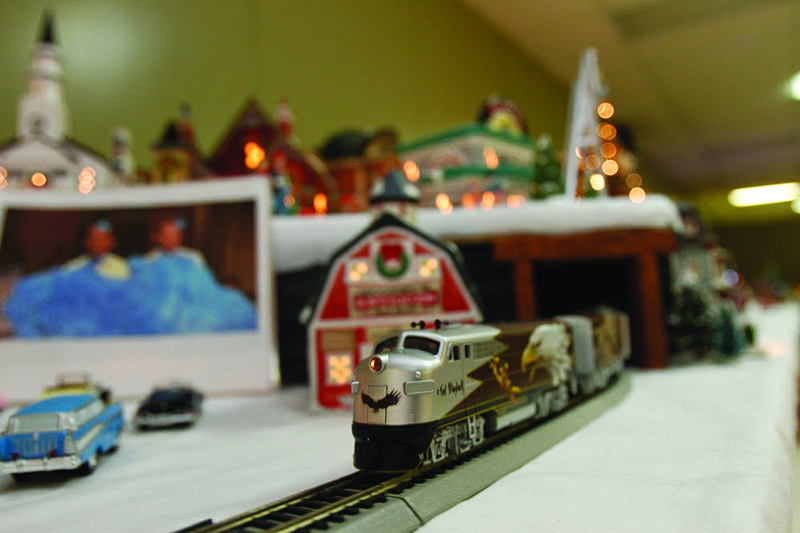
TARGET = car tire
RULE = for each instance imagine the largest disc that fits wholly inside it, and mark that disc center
(88, 467)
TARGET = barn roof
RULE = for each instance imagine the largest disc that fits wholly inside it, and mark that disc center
(385, 220)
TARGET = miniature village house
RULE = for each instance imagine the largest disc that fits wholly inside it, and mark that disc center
(356, 160)
(254, 145)
(481, 163)
(389, 275)
(176, 157)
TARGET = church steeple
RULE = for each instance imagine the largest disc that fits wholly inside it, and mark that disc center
(48, 32)
(42, 112)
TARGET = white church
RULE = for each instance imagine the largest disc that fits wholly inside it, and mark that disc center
(42, 155)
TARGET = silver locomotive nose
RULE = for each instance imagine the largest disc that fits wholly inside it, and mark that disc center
(386, 389)
(393, 420)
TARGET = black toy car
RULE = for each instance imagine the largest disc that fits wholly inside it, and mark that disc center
(174, 405)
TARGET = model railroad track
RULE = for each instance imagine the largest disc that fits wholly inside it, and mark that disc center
(312, 510)
(411, 499)
(332, 503)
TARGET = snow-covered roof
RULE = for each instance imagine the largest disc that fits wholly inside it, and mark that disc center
(304, 242)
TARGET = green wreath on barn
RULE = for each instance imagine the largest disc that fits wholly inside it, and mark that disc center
(388, 272)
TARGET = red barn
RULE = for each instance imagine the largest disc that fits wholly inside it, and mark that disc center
(388, 276)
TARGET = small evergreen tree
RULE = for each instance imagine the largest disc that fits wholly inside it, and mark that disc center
(546, 170)
(692, 324)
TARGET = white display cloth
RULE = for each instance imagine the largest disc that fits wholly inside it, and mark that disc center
(303, 242)
(703, 448)
(699, 448)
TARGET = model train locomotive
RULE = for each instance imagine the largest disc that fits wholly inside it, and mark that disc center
(428, 393)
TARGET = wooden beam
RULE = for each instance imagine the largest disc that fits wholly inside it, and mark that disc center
(643, 247)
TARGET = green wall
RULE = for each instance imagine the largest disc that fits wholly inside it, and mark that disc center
(768, 248)
(763, 238)
(417, 66)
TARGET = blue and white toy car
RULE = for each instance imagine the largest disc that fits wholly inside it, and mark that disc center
(66, 432)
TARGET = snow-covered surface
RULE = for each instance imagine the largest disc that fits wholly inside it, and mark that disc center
(243, 452)
(699, 448)
(303, 242)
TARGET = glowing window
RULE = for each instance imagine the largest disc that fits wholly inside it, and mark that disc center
(443, 203)
(38, 179)
(320, 203)
(487, 200)
(489, 154)
(412, 170)
(358, 270)
(429, 268)
(253, 155)
(340, 369)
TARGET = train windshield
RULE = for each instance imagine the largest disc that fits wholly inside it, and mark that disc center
(386, 345)
(415, 342)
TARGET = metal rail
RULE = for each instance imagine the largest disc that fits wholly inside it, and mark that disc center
(402, 503)
(321, 507)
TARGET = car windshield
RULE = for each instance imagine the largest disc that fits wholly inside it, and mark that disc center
(169, 395)
(415, 342)
(33, 423)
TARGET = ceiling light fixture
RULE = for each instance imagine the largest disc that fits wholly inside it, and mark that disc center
(794, 86)
(764, 194)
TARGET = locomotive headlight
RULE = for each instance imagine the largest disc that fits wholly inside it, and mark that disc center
(376, 364)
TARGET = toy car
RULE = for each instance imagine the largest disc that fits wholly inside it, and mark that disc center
(174, 405)
(64, 432)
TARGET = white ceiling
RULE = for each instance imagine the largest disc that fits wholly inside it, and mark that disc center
(700, 83)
